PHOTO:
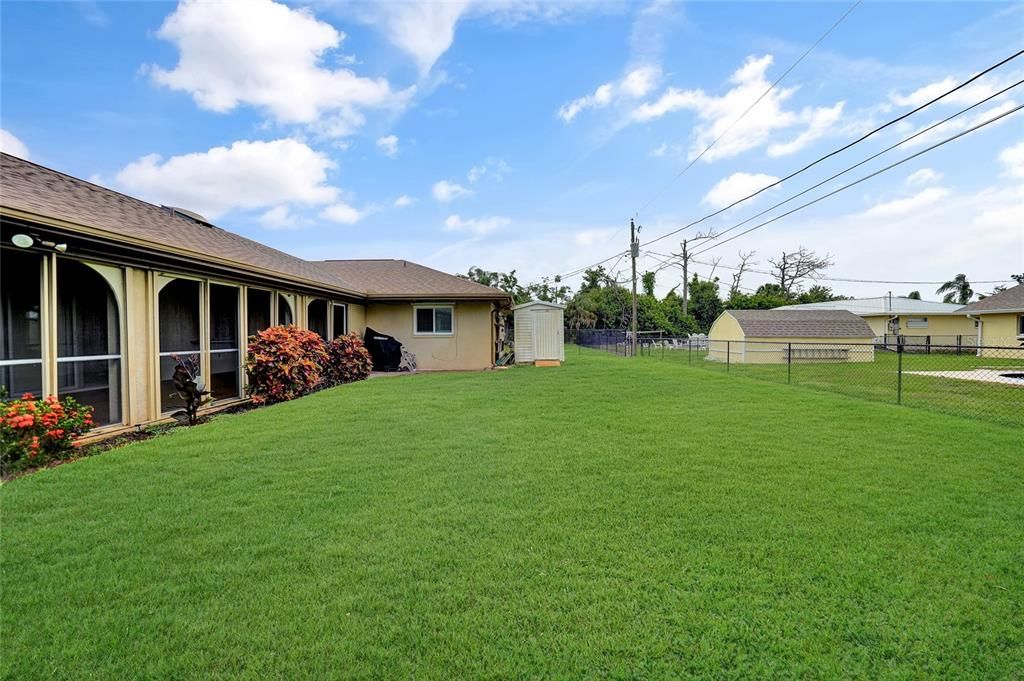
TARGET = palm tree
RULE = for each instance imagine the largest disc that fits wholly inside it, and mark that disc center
(957, 290)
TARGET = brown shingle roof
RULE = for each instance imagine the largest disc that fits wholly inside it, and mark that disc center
(404, 279)
(781, 323)
(48, 194)
(1010, 300)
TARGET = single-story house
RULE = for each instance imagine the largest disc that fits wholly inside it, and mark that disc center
(1000, 319)
(943, 323)
(783, 335)
(99, 290)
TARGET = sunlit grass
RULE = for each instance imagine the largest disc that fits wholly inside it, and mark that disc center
(609, 518)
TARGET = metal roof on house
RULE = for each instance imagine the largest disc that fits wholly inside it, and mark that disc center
(35, 193)
(867, 307)
(383, 278)
(785, 323)
(1010, 300)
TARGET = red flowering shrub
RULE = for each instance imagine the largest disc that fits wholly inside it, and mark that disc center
(284, 362)
(34, 432)
(348, 360)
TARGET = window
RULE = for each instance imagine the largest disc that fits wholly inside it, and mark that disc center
(1020, 326)
(285, 315)
(21, 346)
(225, 350)
(258, 310)
(917, 322)
(340, 321)
(89, 337)
(433, 320)
(179, 305)
(316, 317)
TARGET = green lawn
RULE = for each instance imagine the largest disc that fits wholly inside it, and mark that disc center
(611, 518)
(877, 380)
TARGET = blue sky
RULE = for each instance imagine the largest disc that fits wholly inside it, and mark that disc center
(525, 134)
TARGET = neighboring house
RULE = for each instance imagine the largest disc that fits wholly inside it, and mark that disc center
(1000, 319)
(100, 289)
(783, 335)
(897, 316)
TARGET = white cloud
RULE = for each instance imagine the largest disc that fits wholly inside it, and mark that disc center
(960, 124)
(978, 90)
(245, 175)
(911, 204)
(388, 145)
(446, 192)
(819, 121)
(278, 217)
(267, 55)
(9, 144)
(1013, 160)
(341, 213)
(666, 150)
(492, 167)
(757, 128)
(923, 176)
(635, 84)
(425, 29)
(477, 226)
(736, 186)
(404, 200)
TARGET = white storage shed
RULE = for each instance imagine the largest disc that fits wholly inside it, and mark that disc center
(538, 332)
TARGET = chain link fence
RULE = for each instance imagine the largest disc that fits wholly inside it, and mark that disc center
(984, 382)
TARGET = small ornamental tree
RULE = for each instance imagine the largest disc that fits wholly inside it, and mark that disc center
(190, 387)
(35, 432)
(348, 360)
(284, 362)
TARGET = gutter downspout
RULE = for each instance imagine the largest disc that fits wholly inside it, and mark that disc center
(979, 321)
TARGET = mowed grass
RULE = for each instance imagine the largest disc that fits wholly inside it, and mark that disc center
(610, 518)
(878, 379)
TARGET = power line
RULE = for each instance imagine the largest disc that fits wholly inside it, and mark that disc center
(751, 107)
(813, 163)
(847, 279)
(917, 134)
(865, 178)
(841, 149)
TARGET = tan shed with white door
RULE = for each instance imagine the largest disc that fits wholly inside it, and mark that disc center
(538, 332)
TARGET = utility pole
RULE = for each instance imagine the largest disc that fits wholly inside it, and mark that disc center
(686, 276)
(634, 251)
(685, 256)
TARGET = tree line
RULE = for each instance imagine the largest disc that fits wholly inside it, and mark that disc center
(605, 302)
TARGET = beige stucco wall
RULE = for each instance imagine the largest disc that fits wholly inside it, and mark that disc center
(938, 325)
(356, 318)
(1000, 330)
(470, 347)
(773, 350)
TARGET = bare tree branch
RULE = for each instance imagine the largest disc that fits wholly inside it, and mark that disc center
(792, 269)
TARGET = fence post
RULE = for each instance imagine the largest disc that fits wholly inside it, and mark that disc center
(728, 354)
(689, 350)
(899, 373)
(789, 363)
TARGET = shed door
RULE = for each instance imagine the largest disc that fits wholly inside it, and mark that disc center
(548, 333)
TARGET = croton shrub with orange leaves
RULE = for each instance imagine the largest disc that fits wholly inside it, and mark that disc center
(284, 362)
(348, 360)
(34, 432)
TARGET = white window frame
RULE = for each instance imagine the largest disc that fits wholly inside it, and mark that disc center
(332, 311)
(917, 322)
(433, 306)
